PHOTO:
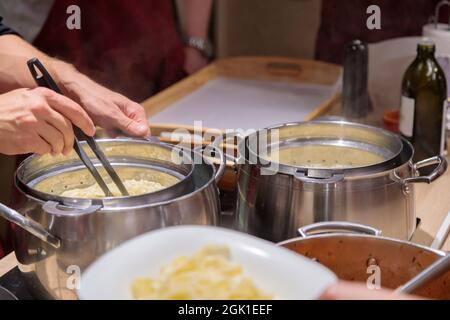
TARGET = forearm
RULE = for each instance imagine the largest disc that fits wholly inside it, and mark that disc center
(194, 17)
(107, 109)
(14, 73)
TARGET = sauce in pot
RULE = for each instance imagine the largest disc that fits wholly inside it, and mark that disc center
(325, 156)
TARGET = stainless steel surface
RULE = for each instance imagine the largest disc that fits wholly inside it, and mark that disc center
(333, 226)
(380, 195)
(349, 255)
(333, 133)
(437, 269)
(311, 176)
(56, 208)
(355, 96)
(212, 149)
(29, 225)
(436, 173)
(87, 228)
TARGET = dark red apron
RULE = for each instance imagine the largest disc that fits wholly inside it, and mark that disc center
(130, 46)
(344, 21)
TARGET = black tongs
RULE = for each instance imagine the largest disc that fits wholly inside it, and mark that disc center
(43, 79)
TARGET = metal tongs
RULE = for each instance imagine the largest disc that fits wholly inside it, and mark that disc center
(43, 79)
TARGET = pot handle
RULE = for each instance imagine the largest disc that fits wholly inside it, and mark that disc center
(436, 173)
(223, 160)
(56, 208)
(332, 226)
(29, 225)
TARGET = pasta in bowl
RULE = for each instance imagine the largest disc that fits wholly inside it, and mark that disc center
(209, 274)
(274, 272)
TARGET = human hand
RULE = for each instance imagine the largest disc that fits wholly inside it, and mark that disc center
(39, 121)
(345, 290)
(109, 110)
(194, 60)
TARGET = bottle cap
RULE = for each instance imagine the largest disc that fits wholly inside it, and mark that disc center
(426, 42)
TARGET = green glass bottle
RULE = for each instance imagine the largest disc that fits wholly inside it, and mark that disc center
(423, 105)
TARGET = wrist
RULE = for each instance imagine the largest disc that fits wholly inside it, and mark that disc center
(67, 77)
(200, 44)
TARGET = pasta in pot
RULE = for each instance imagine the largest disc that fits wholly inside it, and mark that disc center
(134, 188)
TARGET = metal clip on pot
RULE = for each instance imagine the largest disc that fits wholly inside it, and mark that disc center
(319, 176)
(56, 208)
(333, 226)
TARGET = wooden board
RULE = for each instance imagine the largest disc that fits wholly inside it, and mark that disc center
(275, 69)
(287, 79)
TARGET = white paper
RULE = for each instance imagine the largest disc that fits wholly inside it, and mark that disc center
(226, 103)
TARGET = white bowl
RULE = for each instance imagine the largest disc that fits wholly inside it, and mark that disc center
(276, 270)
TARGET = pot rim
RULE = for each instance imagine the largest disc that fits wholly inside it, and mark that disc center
(356, 235)
(175, 188)
(134, 207)
(404, 155)
(75, 203)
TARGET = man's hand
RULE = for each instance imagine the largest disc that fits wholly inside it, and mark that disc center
(109, 110)
(39, 121)
(106, 108)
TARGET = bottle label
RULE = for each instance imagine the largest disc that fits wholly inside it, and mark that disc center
(407, 116)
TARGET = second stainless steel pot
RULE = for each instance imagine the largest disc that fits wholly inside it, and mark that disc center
(272, 203)
(58, 240)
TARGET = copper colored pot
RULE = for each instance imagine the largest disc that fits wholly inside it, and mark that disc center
(354, 247)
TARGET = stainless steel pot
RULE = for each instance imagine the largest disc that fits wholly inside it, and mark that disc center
(59, 237)
(273, 200)
(349, 250)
